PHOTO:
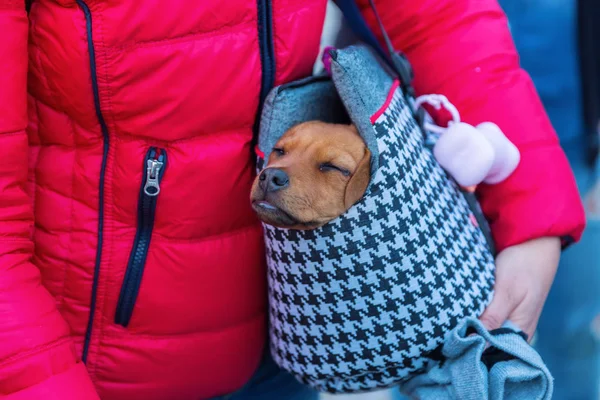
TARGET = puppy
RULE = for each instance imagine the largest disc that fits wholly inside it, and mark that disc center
(315, 172)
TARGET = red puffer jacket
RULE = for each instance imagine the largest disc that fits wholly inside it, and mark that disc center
(128, 144)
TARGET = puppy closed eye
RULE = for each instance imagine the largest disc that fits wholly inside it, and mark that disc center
(278, 151)
(326, 167)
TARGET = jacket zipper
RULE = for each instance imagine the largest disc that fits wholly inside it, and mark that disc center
(267, 55)
(265, 34)
(92, 60)
(155, 164)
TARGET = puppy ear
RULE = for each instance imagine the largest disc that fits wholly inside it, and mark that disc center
(359, 181)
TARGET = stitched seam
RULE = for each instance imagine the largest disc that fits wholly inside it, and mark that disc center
(54, 231)
(67, 146)
(224, 235)
(188, 37)
(23, 219)
(63, 259)
(38, 350)
(14, 239)
(71, 218)
(107, 239)
(100, 51)
(36, 190)
(12, 133)
(12, 5)
(160, 237)
(67, 196)
(38, 54)
(70, 117)
(242, 131)
(233, 326)
(110, 109)
(35, 164)
(126, 137)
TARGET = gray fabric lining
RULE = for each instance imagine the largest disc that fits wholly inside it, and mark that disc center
(313, 98)
(359, 78)
(363, 87)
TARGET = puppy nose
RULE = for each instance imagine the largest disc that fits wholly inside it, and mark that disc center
(274, 179)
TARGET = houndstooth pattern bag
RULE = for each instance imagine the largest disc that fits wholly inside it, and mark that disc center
(364, 301)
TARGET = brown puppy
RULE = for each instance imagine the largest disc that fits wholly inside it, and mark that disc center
(315, 173)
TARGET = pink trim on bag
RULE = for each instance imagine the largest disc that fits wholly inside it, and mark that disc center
(258, 152)
(474, 220)
(385, 105)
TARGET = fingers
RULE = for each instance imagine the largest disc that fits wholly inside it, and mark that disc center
(524, 274)
(498, 311)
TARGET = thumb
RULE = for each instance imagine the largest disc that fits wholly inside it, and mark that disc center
(497, 312)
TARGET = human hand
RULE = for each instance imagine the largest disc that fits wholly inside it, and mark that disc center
(524, 275)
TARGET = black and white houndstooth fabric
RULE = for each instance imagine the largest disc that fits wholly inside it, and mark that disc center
(360, 303)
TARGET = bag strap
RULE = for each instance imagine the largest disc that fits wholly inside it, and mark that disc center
(395, 59)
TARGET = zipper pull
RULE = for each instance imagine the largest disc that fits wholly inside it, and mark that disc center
(152, 185)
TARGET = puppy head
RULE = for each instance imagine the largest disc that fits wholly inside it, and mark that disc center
(315, 173)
